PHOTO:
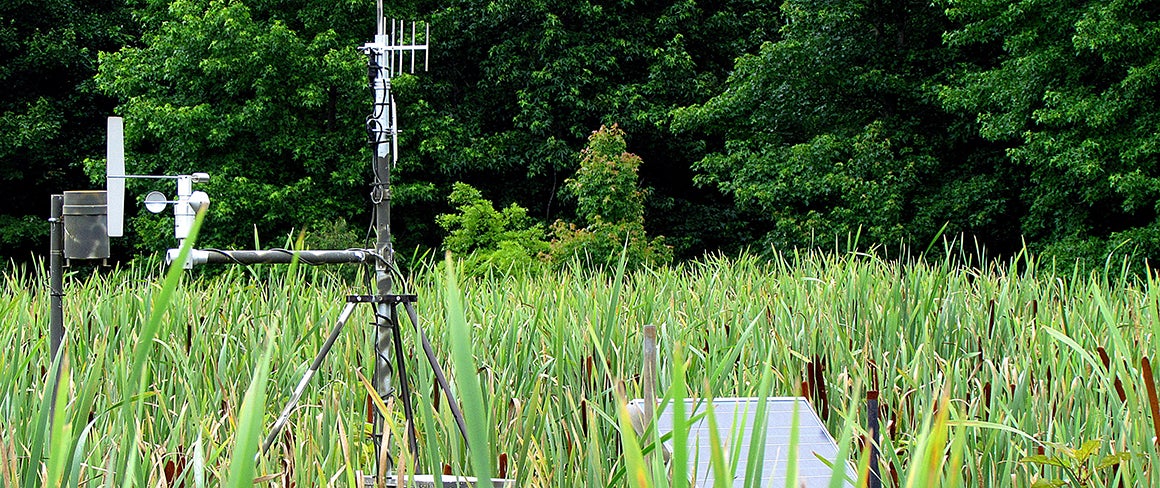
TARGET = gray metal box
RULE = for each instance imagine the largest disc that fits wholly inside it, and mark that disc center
(86, 234)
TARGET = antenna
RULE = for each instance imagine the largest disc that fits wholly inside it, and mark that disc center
(115, 176)
(387, 57)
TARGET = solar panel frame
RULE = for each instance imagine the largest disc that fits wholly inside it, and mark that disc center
(736, 415)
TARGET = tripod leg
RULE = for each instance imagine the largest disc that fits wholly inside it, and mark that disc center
(438, 370)
(401, 364)
(281, 422)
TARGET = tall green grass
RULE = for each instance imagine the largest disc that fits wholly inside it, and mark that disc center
(979, 366)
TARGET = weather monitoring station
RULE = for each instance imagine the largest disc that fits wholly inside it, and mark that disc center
(83, 221)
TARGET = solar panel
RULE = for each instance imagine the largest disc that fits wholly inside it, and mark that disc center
(735, 419)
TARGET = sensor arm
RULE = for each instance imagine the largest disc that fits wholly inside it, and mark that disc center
(274, 256)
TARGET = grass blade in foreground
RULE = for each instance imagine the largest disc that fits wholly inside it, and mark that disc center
(131, 411)
(721, 477)
(36, 447)
(794, 433)
(679, 389)
(474, 408)
(838, 477)
(250, 423)
(758, 434)
(634, 459)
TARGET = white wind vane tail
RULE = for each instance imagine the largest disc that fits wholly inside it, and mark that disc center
(115, 176)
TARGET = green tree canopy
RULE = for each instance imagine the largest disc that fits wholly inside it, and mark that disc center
(835, 127)
(1070, 88)
(611, 206)
(1001, 120)
(269, 96)
(51, 116)
(266, 97)
(517, 86)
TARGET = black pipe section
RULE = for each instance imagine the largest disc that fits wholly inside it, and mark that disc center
(284, 256)
(56, 294)
(56, 274)
(872, 427)
(404, 385)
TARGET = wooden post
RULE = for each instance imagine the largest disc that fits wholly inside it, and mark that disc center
(648, 374)
(648, 382)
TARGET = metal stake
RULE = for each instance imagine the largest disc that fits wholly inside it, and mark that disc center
(56, 293)
(875, 480)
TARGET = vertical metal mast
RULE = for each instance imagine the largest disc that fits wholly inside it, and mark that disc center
(378, 126)
(56, 292)
(385, 59)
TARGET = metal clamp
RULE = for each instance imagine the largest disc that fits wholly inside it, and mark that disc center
(391, 299)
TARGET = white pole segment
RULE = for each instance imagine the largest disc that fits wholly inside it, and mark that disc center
(114, 176)
(394, 132)
(183, 213)
(379, 28)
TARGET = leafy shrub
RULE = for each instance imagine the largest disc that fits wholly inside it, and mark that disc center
(487, 238)
(611, 204)
(335, 234)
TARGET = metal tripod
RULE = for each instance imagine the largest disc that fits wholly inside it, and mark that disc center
(386, 57)
(391, 323)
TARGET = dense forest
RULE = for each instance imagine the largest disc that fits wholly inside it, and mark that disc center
(756, 124)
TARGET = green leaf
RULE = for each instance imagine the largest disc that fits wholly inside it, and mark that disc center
(250, 422)
(1044, 460)
(1112, 460)
(721, 475)
(1086, 450)
(634, 459)
(475, 409)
